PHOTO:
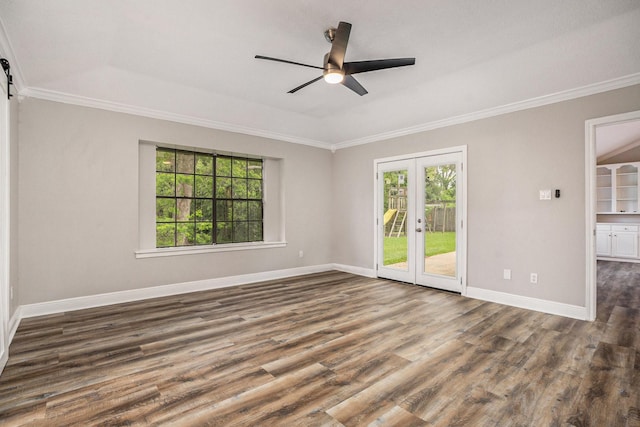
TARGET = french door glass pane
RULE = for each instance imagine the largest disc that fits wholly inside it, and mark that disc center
(395, 215)
(440, 220)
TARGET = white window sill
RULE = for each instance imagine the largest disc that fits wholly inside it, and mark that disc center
(189, 250)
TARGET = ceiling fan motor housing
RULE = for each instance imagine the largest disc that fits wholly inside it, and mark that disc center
(332, 73)
(330, 34)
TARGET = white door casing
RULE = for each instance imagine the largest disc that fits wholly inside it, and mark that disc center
(4, 222)
(416, 269)
(591, 198)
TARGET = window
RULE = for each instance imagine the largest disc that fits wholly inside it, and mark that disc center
(207, 199)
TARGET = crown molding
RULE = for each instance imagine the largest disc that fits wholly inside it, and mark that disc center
(579, 92)
(50, 95)
(592, 89)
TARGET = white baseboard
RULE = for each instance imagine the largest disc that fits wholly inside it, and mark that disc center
(636, 260)
(13, 326)
(14, 322)
(360, 271)
(79, 303)
(550, 307)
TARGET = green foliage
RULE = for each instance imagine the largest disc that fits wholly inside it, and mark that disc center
(254, 189)
(255, 169)
(255, 210)
(204, 164)
(165, 184)
(204, 186)
(186, 192)
(223, 188)
(224, 232)
(440, 183)
(255, 231)
(204, 233)
(223, 166)
(165, 160)
(240, 210)
(395, 248)
(239, 187)
(239, 168)
(240, 231)
(165, 235)
(165, 210)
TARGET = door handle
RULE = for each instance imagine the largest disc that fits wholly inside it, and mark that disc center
(419, 230)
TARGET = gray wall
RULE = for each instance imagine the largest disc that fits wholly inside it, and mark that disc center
(78, 203)
(510, 158)
(78, 197)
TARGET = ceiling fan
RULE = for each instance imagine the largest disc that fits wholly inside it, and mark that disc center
(335, 70)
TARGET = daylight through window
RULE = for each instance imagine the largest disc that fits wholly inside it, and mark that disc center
(206, 199)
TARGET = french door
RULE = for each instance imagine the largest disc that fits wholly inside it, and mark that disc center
(420, 220)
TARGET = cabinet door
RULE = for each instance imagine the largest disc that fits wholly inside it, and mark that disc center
(626, 188)
(604, 189)
(603, 243)
(625, 244)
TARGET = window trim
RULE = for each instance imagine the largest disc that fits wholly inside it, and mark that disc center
(273, 204)
(221, 247)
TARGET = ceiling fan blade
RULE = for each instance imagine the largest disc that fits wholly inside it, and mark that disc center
(376, 64)
(268, 58)
(339, 44)
(294, 90)
(353, 84)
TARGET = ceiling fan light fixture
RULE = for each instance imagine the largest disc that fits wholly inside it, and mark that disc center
(333, 77)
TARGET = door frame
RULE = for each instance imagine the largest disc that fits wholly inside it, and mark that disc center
(462, 221)
(5, 294)
(590, 126)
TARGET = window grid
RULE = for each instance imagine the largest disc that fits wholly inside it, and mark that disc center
(205, 199)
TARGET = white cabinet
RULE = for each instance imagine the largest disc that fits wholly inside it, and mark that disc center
(624, 241)
(603, 240)
(604, 194)
(617, 240)
(617, 188)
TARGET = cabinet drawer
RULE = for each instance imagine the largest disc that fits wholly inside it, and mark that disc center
(603, 227)
(633, 228)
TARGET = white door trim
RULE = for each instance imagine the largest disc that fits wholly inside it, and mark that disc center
(590, 197)
(462, 149)
(4, 223)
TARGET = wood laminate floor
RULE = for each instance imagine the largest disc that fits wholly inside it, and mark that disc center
(329, 349)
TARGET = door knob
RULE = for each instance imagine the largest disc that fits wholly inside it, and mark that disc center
(419, 229)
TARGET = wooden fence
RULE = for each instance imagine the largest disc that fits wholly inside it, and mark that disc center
(440, 218)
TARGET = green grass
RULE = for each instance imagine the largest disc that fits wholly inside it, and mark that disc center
(395, 248)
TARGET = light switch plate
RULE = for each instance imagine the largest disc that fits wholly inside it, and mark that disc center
(545, 194)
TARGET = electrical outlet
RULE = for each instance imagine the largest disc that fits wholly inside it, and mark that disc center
(506, 274)
(300, 254)
(534, 278)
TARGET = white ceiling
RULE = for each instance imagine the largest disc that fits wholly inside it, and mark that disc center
(193, 60)
(617, 138)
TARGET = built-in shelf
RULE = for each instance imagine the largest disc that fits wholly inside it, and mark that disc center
(617, 190)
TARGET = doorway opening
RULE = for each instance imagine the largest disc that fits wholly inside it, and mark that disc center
(612, 194)
(419, 216)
